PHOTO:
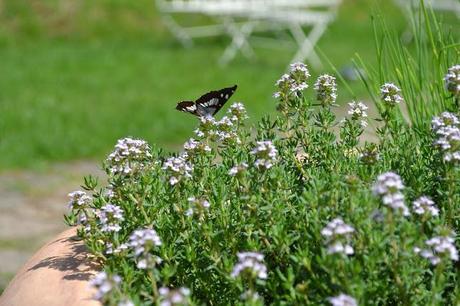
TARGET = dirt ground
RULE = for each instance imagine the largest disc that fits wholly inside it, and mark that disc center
(32, 205)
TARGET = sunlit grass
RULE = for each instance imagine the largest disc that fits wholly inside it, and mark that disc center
(71, 85)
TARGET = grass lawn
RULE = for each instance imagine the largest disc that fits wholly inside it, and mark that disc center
(70, 92)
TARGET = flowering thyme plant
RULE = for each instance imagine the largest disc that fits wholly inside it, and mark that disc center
(299, 210)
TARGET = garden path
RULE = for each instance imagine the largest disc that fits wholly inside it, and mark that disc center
(32, 205)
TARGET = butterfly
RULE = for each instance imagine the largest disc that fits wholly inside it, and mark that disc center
(208, 104)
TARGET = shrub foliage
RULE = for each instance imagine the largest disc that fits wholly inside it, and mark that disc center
(301, 209)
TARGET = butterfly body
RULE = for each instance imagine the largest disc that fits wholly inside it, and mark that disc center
(208, 104)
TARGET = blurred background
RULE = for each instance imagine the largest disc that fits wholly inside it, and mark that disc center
(75, 76)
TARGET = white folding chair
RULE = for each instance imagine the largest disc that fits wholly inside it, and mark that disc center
(240, 19)
(294, 15)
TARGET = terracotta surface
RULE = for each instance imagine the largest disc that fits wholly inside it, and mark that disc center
(57, 274)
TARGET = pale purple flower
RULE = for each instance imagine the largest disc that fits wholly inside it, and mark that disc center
(424, 205)
(391, 94)
(129, 157)
(79, 200)
(299, 72)
(207, 128)
(337, 234)
(438, 248)
(444, 120)
(110, 216)
(448, 143)
(177, 168)
(126, 302)
(225, 124)
(284, 86)
(237, 112)
(103, 284)
(193, 146)
(452, 80)
(387, 183)
(326, 89)
(358, 112)
(197, 206)
(388, 187)
(342, 300)
(250, 296)
(109, 192)
(250, 264)
(143, 242)
(238, 169)
(293, 83)
(265, 153)
(174, 297)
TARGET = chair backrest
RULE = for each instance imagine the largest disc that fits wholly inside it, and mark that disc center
(239, 5)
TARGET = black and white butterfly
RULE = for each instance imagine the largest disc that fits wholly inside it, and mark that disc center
(208, 104)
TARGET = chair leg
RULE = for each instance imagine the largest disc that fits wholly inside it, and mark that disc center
(178, 31)
(239, 40)
(307, 43)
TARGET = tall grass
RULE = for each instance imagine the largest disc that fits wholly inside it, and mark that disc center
(417, 66)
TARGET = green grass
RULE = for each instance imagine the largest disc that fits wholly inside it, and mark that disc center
(71, 86)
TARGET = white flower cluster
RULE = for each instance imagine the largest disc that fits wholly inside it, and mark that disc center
(197, 206)
(358, 112)
(337, 234)
(143, 241)
(438, 248)
(424, 205)
(110, 250)
(369, 154)
(177, 168)
(266, 154)
(238, 169)
(207, 128)
(452, 80)
(109, 192)
(194, 147)
(174, 297)
(237, 112)
(446, 119)
(388, 187)
(79, 200)
(446, 127)
(250, 264)
(227, 131)
(292, 83)
(449, 143)
(129, 156)
(299, 74)
(342, 300)
(103, 284)
(125, 302)
(326, 89)
(224, 130)
(250, 296)
(391, 94)
(110, 216)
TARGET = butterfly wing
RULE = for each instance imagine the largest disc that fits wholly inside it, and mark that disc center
(188, 107)
(212, 102)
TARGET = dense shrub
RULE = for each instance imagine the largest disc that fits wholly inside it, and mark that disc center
(299, 210)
